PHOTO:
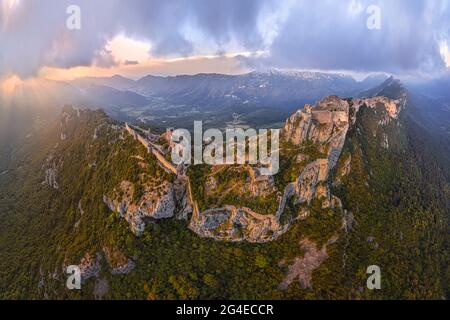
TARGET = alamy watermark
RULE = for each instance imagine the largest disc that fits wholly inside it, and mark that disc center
(374, 280)
(73, 21)
(374, 19)
(238, 146)
(74, 280)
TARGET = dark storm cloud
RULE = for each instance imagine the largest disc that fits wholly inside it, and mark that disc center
(333, 35)
(296, 34)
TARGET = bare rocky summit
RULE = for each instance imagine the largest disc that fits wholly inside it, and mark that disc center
(326, 126)
(323, 126)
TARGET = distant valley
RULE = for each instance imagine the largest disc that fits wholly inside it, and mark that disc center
(256, 99)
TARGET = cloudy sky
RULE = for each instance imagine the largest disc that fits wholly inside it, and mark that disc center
(138, 37)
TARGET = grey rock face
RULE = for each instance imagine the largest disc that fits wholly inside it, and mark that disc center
(303, 267)
(90, 266)
(150, 205)
(236, 224)
(325, 125)
(50, 168)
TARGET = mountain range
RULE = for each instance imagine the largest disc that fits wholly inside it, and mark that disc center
(257, 98)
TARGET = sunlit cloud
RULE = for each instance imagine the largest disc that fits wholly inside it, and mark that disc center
(9, 84)
(126, 49)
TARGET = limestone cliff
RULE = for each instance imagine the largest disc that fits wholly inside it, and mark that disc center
(156, 203)
(314, 136)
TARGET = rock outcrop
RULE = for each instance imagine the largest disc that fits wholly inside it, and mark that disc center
(50, 178)
(260, 185)
(325, 126)
(236, 224)
(318, 124)
(303, 267)
(118, 262)
(50, 168)
(154, 203)
(306, 185)
(90, 266)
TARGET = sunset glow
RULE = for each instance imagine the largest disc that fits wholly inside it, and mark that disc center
(228, 64)
(126, 49)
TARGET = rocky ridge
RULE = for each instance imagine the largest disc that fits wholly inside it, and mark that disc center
(324, 125)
